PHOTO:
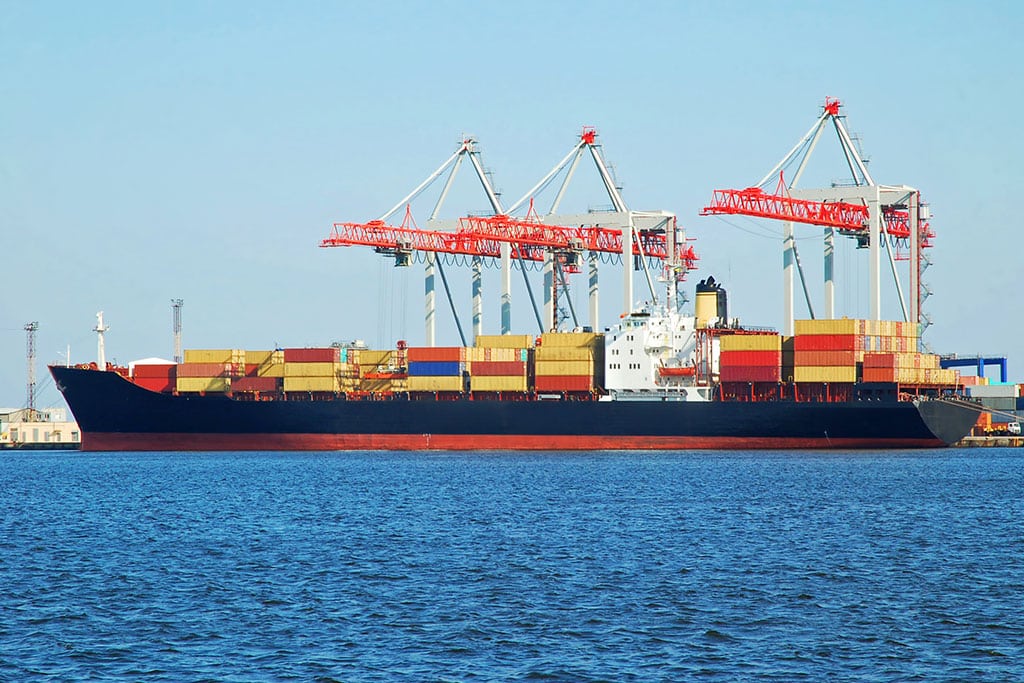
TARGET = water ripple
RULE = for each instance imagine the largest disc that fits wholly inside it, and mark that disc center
(486, 567)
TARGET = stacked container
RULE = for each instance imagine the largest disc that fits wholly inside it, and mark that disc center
(436, 368)
(750, 357)
(312, 369)
(906, 368)
(569, 361)
(498, 368)
(194, 377)
(264, 363)
(159, 377)
(378, 371)
(828, 350)
(999, 397)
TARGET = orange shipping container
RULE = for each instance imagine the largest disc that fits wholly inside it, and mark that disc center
(828, 342)
(825, 358)
(435, 353)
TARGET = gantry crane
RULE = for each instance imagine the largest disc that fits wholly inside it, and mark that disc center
(642, 236)
(873, 214)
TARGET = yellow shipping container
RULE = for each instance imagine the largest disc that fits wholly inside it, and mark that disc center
(369, 357)
(312, 369)
(553, 353)
(824, 373)
(431, 383)
(504, 341)
(840, 326)
(329, 384)
(502, 354)
(909, 375)
(497, 383)
(271, 370)
(751, 342)
(258, 357)
(207, 384)
(571, 339)
(214, 356)
(383, 385)
(564, 367)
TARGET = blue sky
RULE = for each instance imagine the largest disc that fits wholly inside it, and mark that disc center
(151, 151)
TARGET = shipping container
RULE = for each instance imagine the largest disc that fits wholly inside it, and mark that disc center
(829, 342)
(497, 383)
(810, 373)
(436, 354)
(374, 357)
(994, 390)
(214, 356)
(872, 374)
(154, 371)
(563, 383)
(271, 370)
(319, 384)
(750, 373)
(206, 384)
(571, 339)
(203, 370)
(823, 358)
(259, 357)
(840, 326)
(436, 368)
(382, 385)
(476, 354)
(750, 342)
(504, 341)
(310, 369)
(330, 354)
(429, 383)
(497, 368)
(558, 353)
(268, 384)
(564, 367)
(748, 358)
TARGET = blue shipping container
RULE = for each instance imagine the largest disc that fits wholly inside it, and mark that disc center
(431, 368)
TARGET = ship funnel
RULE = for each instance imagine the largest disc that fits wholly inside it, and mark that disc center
(711, 304)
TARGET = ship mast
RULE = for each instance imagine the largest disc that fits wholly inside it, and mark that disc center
(176, 305)
(101, 356)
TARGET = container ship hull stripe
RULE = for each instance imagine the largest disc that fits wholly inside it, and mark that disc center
(115, 414)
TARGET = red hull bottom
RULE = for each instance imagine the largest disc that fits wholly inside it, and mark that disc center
(116, 441)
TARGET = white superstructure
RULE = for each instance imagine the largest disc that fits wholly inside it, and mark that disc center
(654, 352)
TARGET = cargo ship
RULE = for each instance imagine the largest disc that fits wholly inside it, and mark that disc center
(658, 380)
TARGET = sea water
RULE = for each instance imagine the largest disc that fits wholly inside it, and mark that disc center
(502, 567)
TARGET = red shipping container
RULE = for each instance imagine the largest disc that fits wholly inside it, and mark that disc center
(497, 368)
(750, 358)
(203, 369)
(155, 371)
(879, 360)
(328, 355)
(564, 383)
(435, 353)
(750, 373)
(805, 359)
(879, 375)
(159, 384)
(256, 384)
(828, 342)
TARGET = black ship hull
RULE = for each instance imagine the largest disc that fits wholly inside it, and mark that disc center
(115, 414)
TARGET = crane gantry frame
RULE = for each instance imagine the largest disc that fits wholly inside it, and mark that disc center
(865, 211)
(641, 235)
